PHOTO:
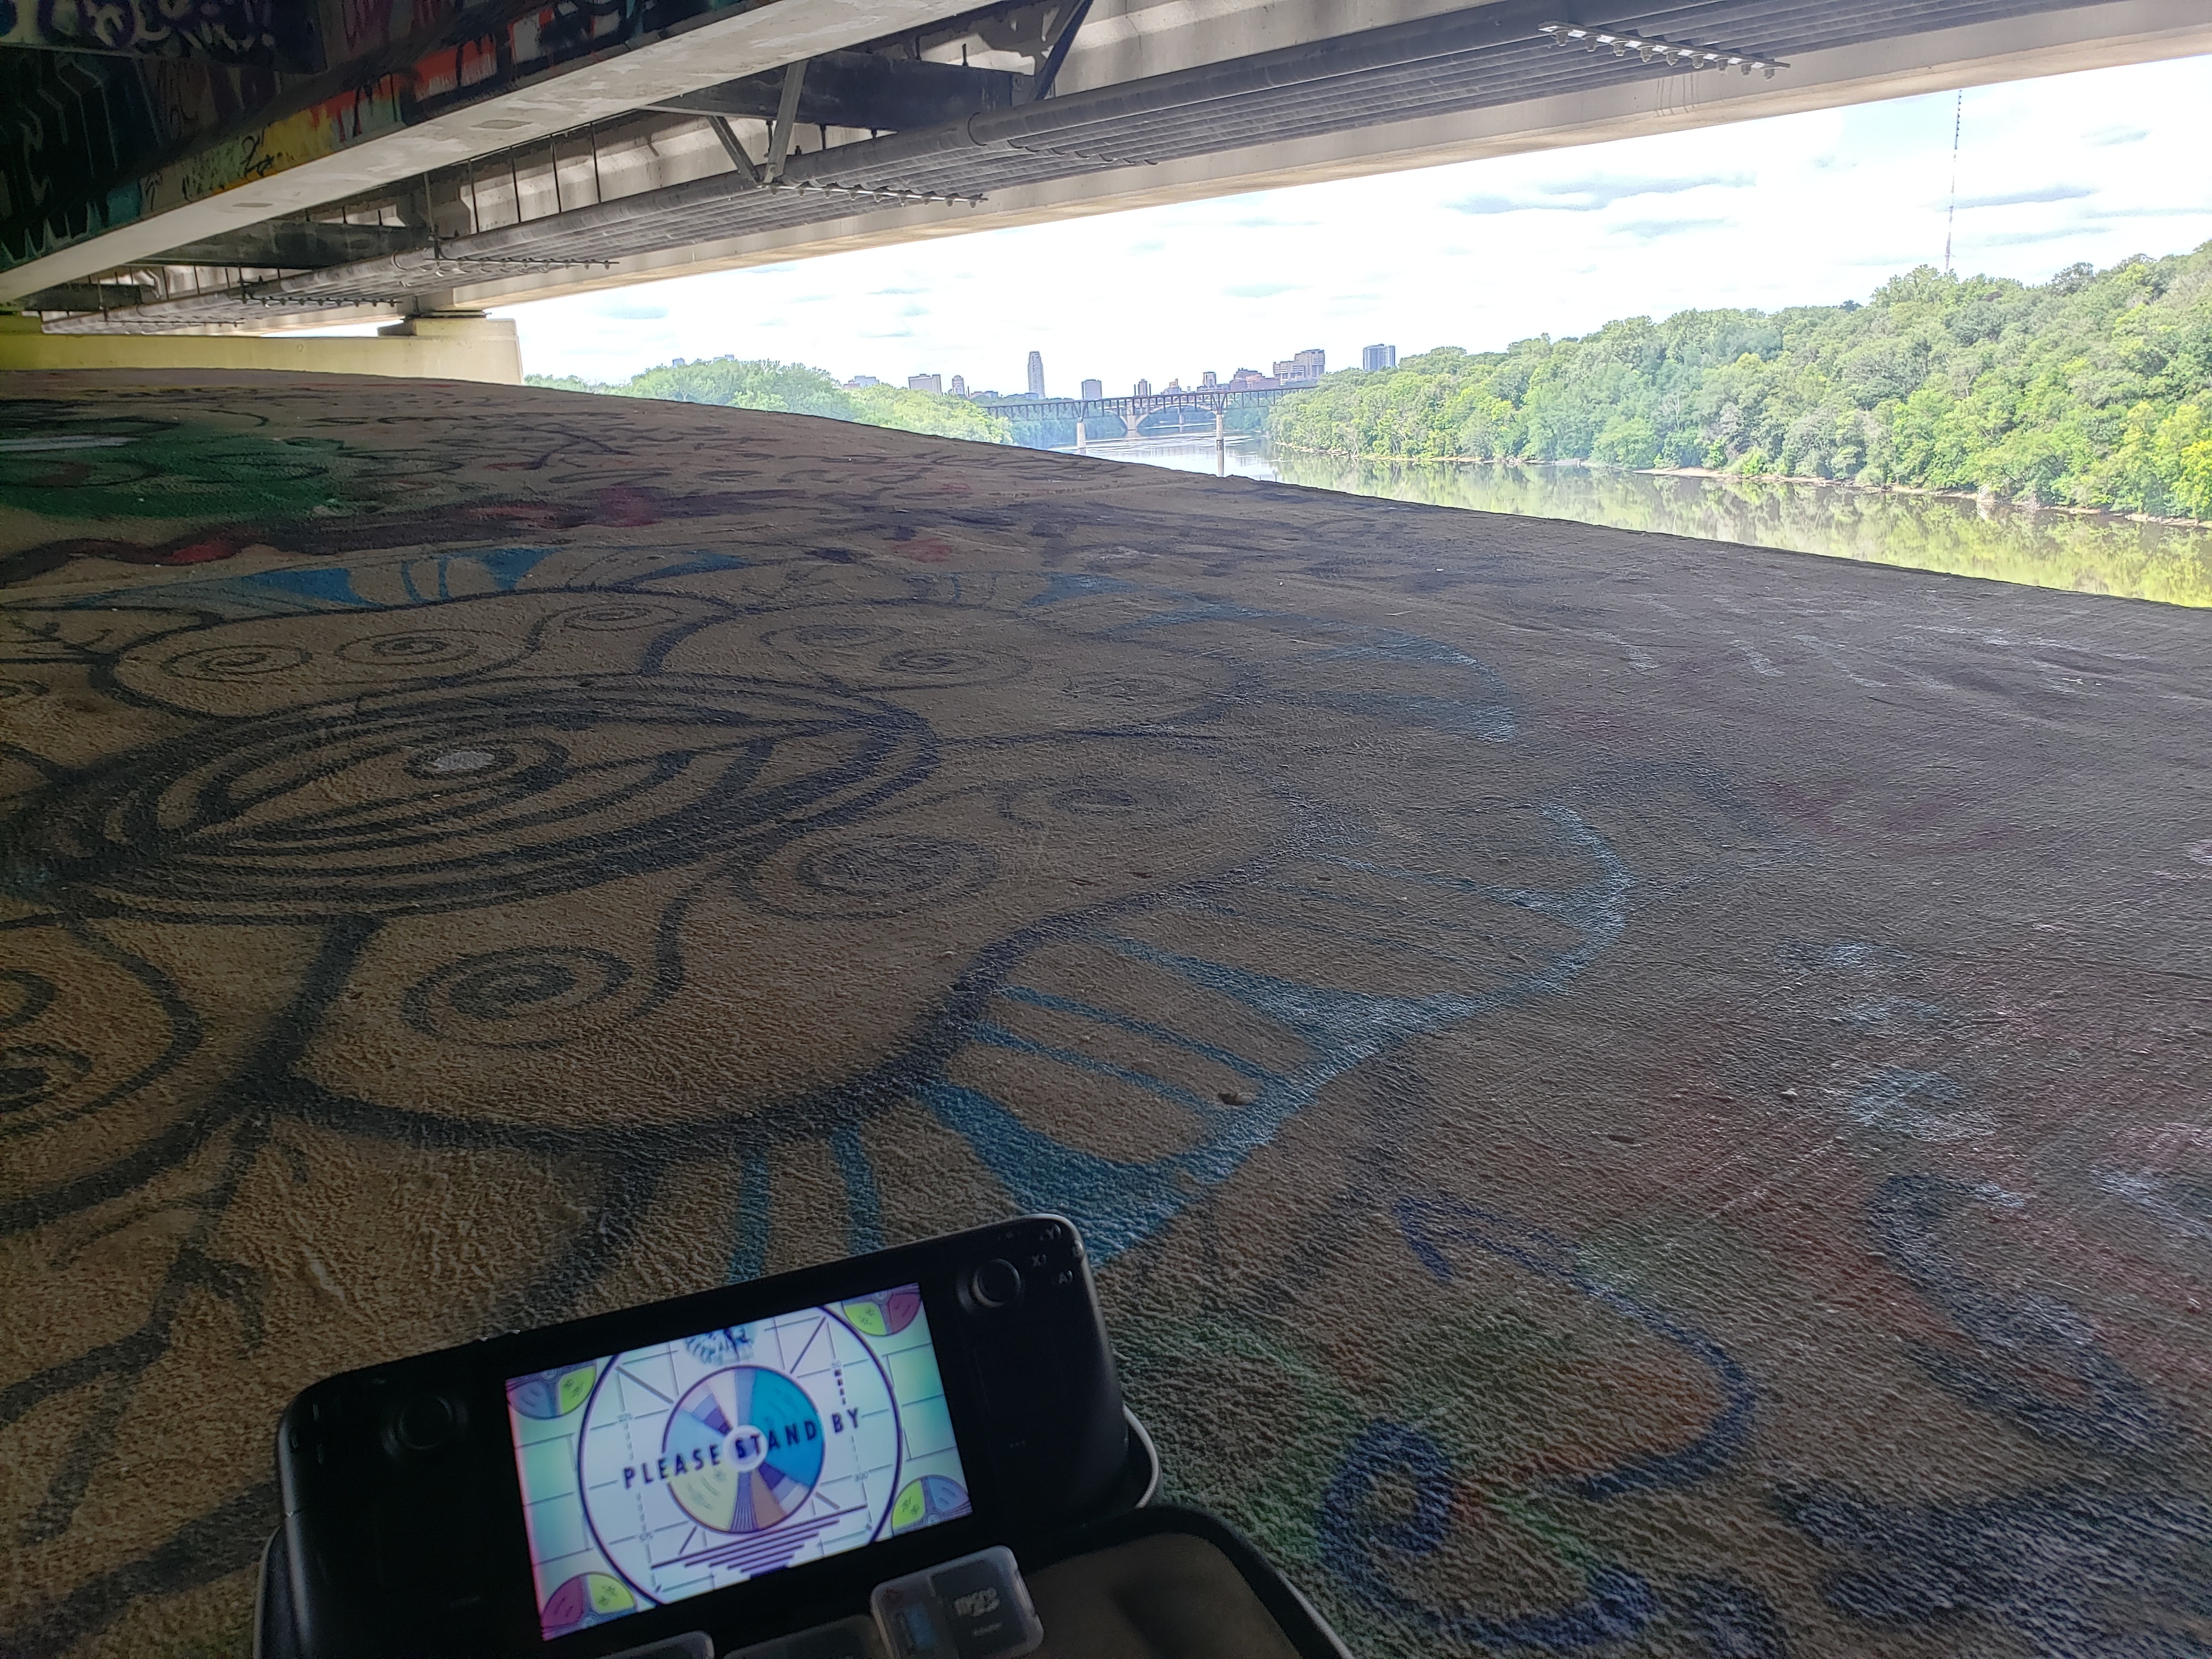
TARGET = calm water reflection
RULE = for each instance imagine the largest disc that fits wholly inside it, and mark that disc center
(2049, 550)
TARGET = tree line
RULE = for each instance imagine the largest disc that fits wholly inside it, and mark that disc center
(2094, 389)
(795, 389)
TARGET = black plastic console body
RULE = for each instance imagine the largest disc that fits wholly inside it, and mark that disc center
(403, 1533)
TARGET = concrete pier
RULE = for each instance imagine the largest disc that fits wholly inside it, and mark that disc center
(465, 347)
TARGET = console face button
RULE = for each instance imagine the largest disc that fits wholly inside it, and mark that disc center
(996, 1284)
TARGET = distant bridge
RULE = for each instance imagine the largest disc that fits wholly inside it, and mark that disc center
(1134, 409)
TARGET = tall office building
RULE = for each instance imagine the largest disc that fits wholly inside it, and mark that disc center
(1142, 389)
(1036, 374)
(1382, 357)
(960, 385)
(1093, 389)
(925, 382)
(1301, 366)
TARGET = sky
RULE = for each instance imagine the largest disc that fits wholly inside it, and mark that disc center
(1812, 208)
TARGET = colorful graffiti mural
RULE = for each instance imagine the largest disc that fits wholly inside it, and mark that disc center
(471, 856)
(98, 139)
(224, 31)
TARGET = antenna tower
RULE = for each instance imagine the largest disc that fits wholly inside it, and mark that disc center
(1957, 125)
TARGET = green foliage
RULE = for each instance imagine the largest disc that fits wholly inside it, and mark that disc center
(2092, 390)
(795, 389)
(928, 412)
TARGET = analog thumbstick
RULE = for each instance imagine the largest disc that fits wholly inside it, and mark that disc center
(425, 1423)
(996, 1284)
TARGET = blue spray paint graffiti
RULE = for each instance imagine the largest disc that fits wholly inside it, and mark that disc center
(2078, 1572)
(1616, 1604)
(2098, 1567)
(2026, 1342)
(1430, 1223)
(1118, 1203)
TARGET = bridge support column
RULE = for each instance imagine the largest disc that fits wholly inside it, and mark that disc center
(1220, 444)
(438, 348)
(1082, 439)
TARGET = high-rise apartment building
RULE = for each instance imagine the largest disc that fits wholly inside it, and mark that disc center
(1208, 379)
(1378, 356)
(1093, 389)
(1036, 374)
(925, 382)
(960, 385)
(1142, 389)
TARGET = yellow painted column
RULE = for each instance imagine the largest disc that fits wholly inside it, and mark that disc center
(456, 348)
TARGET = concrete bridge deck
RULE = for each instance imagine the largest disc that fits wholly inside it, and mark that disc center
(428, 162)
(1628, 1093)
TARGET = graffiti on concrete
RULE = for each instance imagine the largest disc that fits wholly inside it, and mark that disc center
(483, 857)
(221, 31)
(98, 139)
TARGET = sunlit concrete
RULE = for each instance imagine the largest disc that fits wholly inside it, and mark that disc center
(419, 348)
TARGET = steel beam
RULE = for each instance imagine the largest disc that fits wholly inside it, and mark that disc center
(864, 90)
(294, 245)
(363, 142)
(1483, 81)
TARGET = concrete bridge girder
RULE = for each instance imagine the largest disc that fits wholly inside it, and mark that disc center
(309, 158)
(2051, 42)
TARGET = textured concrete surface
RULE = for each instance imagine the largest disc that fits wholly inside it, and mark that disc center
(1630, 1095)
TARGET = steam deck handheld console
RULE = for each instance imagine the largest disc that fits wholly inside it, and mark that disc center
(720, 1467)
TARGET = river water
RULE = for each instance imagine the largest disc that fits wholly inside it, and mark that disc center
(2090, 555)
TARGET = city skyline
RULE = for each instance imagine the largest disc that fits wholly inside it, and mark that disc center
(1302, 367)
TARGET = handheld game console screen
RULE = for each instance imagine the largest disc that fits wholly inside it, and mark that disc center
(689, 1466)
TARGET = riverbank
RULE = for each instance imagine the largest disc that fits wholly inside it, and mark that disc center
(2123, 556)
(1978, 498)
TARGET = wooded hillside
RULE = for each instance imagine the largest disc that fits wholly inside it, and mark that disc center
(2094, 389)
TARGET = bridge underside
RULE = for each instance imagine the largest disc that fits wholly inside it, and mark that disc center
(1617, 1094)
(1017, 113)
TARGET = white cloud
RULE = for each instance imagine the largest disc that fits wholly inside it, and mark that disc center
(2022, 197)
(1647, 230)
(1818, 208)
(1604, 192)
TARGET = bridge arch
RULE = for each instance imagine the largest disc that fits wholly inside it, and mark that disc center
(1176, 421)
